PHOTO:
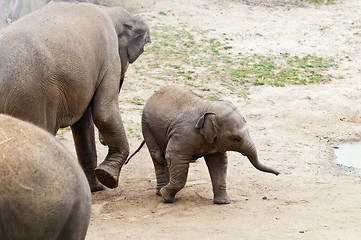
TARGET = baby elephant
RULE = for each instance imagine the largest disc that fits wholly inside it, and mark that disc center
(44, 193)
(179, 127)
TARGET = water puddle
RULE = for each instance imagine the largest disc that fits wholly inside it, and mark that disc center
(348, 154)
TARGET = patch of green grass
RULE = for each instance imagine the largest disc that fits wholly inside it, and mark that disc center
(213, 97)
(189, 54)
(206, 89)
(281, 70)
(61, 132)
(137, 101)
(134, 133)
(157, 65)
(322, 1)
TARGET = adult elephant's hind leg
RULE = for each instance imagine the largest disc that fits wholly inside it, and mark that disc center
(83, 134)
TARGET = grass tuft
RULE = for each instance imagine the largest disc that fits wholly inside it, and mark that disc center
(187, 55)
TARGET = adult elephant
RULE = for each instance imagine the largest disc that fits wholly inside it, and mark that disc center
(63, 65)
(19, 8)
(36, 203)
(2, 14)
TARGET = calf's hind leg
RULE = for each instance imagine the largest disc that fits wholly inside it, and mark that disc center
(157, 155)
(178, 171)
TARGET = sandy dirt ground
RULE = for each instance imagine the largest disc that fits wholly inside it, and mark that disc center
(293, 127)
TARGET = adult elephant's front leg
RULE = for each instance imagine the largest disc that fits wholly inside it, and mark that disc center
(83, 134)
(110, 125)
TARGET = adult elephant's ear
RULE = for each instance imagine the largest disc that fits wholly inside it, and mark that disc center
(132, 33)
(124, 37)
(206, 126)
(139, 36)
(131, 42)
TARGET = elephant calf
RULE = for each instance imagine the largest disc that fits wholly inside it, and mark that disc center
(44, 193)
(179, 127)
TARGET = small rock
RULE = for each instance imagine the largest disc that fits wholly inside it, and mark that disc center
(264, 198)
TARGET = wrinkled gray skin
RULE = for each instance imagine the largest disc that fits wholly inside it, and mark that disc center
(179, 127)
(44, 193)
(63, 65)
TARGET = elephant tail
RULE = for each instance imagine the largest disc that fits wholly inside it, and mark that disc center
(141, 145)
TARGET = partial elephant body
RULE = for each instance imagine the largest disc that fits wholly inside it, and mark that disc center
(56, 68)
(63, 65)
(44, 193)
(179, 127)
(20, 8)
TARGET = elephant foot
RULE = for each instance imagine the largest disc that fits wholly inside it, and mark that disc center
(96, 187)
(222, 200)
(94, 184)
(158, 190)
(168, 197)
(159, 187)
(108, 173)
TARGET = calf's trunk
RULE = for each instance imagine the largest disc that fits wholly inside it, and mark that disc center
(251, 153)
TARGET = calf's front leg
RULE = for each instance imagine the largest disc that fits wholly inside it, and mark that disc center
(217, 167)
(178, 172)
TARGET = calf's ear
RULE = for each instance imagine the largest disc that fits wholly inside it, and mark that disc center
(206, 126)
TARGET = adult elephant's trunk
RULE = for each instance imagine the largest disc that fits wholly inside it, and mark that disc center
(250, 151)
(124, 66)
